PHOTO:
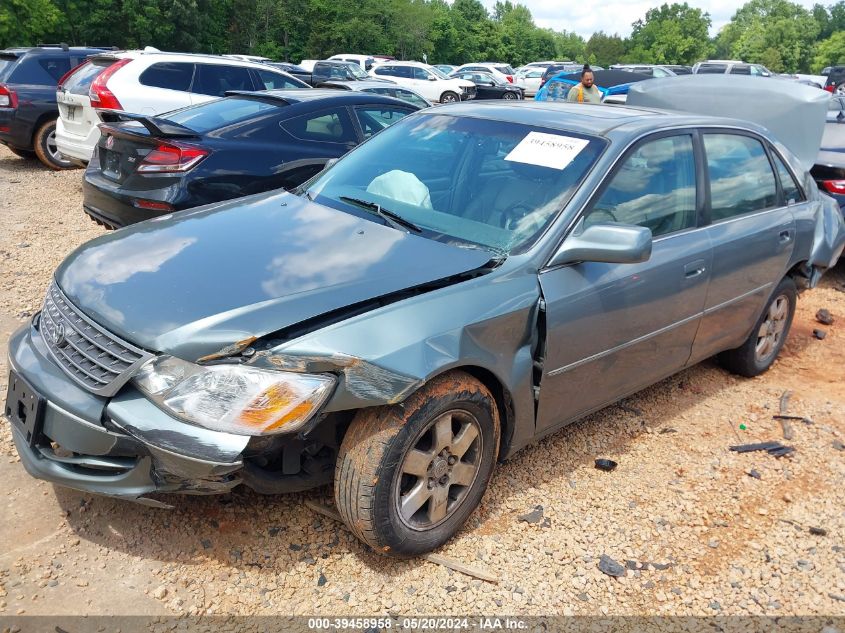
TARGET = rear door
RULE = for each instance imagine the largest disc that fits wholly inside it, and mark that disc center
(613, 329)
(164, 86)
(752, 230)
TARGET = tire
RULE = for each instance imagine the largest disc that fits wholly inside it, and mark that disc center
(840, 89)
(510, 96)
(757, 354)
(23, 153)
(449, 97)
(372, 474)
(45, 148)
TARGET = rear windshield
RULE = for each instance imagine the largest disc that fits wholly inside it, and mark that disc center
(80, 81)
(505, 70)
(214, 115)
(681, 70)
(7, 62)
(480, 182)
(712, 69)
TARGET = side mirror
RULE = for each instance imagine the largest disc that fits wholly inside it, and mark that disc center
(432, 78)
(608, 243)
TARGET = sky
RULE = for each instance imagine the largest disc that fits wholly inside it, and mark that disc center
(616, 16)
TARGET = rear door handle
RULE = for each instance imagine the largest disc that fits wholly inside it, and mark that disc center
(785, 237)
(694, 269)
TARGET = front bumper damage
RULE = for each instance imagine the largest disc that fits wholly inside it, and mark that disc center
(123, 447)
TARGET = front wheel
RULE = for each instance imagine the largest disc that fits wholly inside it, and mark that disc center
(47, 151)
(510, 96)
(408, 476)
(449, 97)
(763, 345)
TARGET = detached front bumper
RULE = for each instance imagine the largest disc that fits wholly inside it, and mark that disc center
(122, 447)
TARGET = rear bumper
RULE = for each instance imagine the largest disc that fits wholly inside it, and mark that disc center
(13, 131)
(74, 145)
(125, 447)
(106, 202)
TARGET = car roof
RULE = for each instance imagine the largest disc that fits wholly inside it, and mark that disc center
(329, 95)
(362, 85)
(396, 62)
(57, 48)
(595, 120)
(170, 56)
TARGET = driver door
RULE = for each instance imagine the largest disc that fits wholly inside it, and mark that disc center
(613, 329)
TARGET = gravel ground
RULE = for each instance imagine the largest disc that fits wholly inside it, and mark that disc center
(697, 533)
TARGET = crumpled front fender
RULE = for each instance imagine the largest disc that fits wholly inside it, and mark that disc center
(828, 238)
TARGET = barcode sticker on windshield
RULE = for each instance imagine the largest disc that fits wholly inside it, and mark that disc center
(547, 150)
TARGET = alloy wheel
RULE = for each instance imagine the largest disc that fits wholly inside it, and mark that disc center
(771, 330)
(53, 150)
(439, 469)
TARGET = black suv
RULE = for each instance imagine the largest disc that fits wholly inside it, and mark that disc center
(28, 110)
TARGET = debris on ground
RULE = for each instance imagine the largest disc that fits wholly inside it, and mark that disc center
(668, 429)
(817, 531)
(838, 445)
(772, 448)
(786, 428)
(606, 464)
(535, 516)
(610, 567)
(755, 473)
(824, 317)
(819, 334)
(784, 402)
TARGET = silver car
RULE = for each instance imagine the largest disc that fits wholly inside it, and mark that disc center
(470, 279)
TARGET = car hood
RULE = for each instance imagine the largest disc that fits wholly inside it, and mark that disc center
(195, 282)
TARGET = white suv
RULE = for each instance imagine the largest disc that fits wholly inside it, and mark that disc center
(149, 82)
(426, 80)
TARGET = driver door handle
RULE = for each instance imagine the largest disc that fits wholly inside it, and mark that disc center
(695, 269)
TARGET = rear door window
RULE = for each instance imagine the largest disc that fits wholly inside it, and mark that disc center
(654, 188)
(275, 81)
(374, 119)
(55, 67)
(328, 126)
(740, 69)
(712, 69)
(741, 177)
(791, 190)
(215, 79)
(169, 75)
(420, 74)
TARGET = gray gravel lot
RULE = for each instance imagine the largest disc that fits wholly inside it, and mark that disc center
(694, 532)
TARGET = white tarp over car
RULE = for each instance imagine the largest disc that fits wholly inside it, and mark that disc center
(793, 112)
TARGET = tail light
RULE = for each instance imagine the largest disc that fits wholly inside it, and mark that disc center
(8, 97)
(834, 186)
(100, 95)
(830, 88)
(510, 78)
(69, 73)
(151, 205)
(172, 157)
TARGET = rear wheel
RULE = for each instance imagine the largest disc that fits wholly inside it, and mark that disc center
(449, 97)
(408, 476)
(47, 151)
(23, 153)
(763, 345)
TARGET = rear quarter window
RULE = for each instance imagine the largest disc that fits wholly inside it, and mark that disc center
(56, 67)
(168, 75)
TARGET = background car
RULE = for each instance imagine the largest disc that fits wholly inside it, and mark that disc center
(502, 71)
(426, 80)
(655, 70)
(829, 170)
(835, 82)
(529, 78)
(334, 70)
(445, 68)
(28, 109)
(365, 62)
(226, 148)
(730, 67)
(380, 87)
(554, 69)
(489, 86)
(149, 83)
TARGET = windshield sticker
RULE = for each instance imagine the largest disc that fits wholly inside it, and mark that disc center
(547, 150)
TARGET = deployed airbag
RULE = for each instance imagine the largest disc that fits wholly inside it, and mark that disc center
(401, 186)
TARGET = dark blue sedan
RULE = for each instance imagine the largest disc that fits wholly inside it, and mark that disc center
(243, 144)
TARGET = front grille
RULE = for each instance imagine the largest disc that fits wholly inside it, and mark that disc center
(469, 92)
(90, 355)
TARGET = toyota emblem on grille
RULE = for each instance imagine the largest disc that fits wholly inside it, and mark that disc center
(59, 336)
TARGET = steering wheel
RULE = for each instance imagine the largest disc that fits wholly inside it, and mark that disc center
(511, 216)
(599, 216)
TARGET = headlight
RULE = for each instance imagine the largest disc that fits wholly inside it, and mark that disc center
(234, 398)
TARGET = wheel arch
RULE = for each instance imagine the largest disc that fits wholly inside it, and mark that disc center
(43, 118)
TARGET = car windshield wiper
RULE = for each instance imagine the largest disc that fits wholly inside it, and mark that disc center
(393, 219)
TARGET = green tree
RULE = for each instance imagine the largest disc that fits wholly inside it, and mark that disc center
(569, 46)
(604, 50)
(26, 21)
(671, 34)
(761, 25)
(830, 52)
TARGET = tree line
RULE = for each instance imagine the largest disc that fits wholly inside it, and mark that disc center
(782, 35)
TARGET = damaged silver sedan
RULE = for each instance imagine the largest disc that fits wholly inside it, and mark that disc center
(465, 282)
